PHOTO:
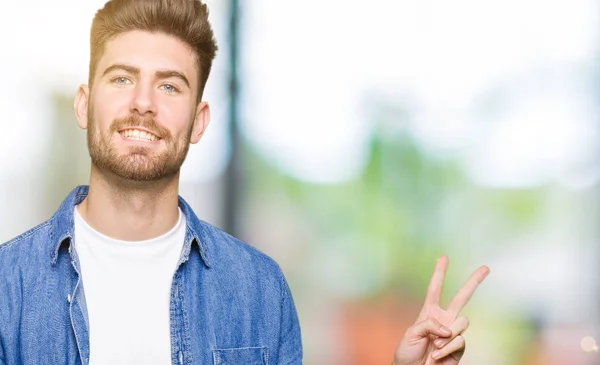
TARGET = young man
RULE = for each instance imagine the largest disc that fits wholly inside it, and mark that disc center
(124, 272)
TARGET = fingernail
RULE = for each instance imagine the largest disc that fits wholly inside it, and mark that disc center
(439, 342)
(435, 354)
(445, 330)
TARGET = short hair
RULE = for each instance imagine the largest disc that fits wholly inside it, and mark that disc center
(186, 20)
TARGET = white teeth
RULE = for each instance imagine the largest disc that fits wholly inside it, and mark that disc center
(136, 134)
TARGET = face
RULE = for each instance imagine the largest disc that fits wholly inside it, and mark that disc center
(141, 113)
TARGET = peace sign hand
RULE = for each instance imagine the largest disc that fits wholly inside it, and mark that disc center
(435, 338)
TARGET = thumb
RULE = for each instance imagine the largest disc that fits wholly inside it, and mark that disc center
(427, 327)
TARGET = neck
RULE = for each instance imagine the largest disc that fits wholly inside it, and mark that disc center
(130, 211)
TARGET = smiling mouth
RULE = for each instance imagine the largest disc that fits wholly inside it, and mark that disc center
(137, 135)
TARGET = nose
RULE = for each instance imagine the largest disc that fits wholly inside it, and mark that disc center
(143, 101)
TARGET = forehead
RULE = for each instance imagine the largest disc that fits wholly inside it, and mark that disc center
(149, 51)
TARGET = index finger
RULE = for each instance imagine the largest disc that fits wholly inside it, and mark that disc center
(466, 292)
(434, 290)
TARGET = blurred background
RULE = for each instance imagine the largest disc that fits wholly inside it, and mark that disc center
(355, 143)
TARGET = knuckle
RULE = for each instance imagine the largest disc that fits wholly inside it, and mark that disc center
(431, 322)
(465, 322)
(460, 341)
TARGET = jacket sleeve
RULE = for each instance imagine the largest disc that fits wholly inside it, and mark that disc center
(290, 342)
(1, 351)
(1, 354)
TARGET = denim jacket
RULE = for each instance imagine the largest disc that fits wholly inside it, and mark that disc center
(230, 304)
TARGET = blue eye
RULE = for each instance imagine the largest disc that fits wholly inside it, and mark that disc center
(121, 80)
(170, 89)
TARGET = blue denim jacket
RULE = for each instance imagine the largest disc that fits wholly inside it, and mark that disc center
(230, 304)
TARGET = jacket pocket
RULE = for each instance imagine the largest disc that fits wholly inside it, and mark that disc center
(241, 356)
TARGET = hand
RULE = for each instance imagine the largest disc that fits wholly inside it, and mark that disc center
(435, 338)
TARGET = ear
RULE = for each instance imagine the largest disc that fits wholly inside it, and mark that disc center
(80, 106)
(200, 122)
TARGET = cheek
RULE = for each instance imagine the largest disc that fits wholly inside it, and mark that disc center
(176, 117)
(110, 106)
(99, 119)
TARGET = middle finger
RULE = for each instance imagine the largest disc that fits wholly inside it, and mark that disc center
(457, 327)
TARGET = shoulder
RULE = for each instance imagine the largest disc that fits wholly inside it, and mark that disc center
(225, 249)
(240, 269)
(28, 241)
(221, 250)
(25, 256)
(23, 260)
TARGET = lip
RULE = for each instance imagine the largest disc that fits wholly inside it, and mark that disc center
(141, 129)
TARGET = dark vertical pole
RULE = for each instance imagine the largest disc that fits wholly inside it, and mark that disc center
(233, 174)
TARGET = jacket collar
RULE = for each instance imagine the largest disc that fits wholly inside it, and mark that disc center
(63, 229)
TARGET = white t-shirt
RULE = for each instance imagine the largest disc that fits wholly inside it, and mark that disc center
(127, 289)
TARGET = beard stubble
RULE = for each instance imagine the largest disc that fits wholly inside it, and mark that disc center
(139, 163)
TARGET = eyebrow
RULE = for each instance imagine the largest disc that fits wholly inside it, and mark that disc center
(161, 74)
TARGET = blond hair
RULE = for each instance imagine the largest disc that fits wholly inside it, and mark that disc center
(186, 20)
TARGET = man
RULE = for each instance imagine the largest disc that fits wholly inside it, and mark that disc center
(124, 272)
